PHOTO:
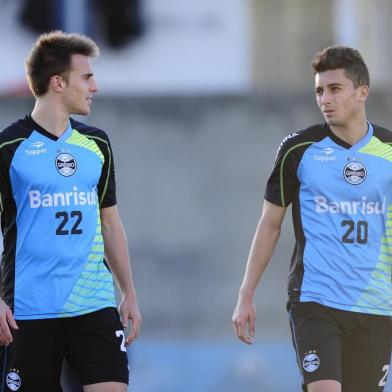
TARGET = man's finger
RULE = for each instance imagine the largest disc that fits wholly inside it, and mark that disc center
(134, 333)
(252, 326)
(5, 332)
(10, 319)
(131, 337)
(124, 320)
(241, 328)
(246, 338)
(234, 324)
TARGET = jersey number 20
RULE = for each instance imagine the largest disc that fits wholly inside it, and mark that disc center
(356, 232)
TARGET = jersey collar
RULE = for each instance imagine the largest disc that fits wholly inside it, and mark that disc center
(46, 133)
(346, 145)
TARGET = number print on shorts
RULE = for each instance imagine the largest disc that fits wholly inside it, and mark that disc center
(383, 380)
(118, 334)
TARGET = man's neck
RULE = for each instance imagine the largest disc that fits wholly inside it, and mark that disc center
(50, 118)
(351, 133)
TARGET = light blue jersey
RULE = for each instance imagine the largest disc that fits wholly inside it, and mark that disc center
(342, 214)
(52, 190)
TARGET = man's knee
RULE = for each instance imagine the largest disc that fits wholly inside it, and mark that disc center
(106, 387)
(325, 386)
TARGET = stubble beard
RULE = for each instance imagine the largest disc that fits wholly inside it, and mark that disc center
(333, 122)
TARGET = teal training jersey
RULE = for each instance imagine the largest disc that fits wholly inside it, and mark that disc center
(51, 193)
(341, 199)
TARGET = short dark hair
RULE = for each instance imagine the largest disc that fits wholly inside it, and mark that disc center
(51, 55)
(343, 57)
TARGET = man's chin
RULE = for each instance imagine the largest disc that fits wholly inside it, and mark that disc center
(82, 112)
(332, 123)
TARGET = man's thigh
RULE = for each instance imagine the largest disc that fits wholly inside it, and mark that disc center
(317, 341)
(95, 348)
(32, 362)
(367, 355)
(106, 387)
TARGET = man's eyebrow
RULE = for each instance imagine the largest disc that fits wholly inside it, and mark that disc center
(334, 84)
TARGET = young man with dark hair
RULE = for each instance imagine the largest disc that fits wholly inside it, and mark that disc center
(60, 224)
(338, 177)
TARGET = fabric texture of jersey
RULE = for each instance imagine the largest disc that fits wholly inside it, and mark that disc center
(341, 199)
(51, 192)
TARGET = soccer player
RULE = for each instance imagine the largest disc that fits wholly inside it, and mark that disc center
(59, 220)
(338, 177)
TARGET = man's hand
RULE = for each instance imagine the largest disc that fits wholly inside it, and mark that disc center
(244, 319)
(6, 321)
(129, 310)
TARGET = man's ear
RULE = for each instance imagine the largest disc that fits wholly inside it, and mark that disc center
(363, 92)
(57, 83)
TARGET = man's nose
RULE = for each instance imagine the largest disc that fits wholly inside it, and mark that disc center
(325, 98)
(93, 86)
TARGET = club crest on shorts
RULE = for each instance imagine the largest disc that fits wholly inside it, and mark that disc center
(311, 362)
(66, 164)
(354, 172)
(13, 380)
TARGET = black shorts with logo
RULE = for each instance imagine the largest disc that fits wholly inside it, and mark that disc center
(92, 344)
(349, 347)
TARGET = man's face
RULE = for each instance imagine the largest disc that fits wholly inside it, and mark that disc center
(80, 86)
(337, 98)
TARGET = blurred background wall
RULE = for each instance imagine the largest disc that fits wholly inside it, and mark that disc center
(196, 96)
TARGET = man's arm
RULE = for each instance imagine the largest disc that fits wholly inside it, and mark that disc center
(116, 254)
(263, 245)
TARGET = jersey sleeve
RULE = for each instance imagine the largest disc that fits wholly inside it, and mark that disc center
(3, 181)
(283, 183)
(6, 154)
(107, 181)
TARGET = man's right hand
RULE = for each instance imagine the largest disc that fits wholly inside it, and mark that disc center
(7, 321)
(244, 319)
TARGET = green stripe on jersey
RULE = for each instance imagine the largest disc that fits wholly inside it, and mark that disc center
(83, 141)
(95, 284)
(377, 148)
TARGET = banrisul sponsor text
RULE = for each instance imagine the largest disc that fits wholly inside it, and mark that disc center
(62, 199)
(352, 207)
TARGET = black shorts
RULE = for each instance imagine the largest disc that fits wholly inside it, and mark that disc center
(92, 344)
(349, 347)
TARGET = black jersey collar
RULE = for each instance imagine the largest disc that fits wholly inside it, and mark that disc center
(343, 143)
(42, 130)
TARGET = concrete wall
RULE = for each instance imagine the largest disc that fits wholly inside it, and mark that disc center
(286, 34)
